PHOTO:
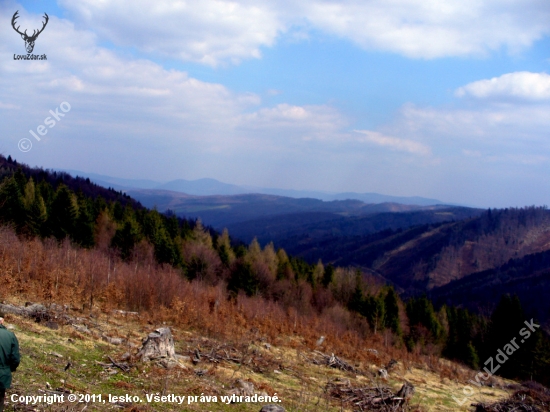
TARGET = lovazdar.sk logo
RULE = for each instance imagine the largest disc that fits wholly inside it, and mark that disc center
(29, 40)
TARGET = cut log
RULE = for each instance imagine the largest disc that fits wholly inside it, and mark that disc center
(159, 344)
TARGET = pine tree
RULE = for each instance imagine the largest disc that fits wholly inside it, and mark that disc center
(63, 213)
(375, 311)
(506, 321)
(470, 357)
(357, 301)
(391, 320)
(424, 325)
(12, 209)
(127, 237)
(328, 275)
(243, 278)
(85, 223)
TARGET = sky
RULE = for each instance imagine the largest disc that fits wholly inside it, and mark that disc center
(446, 99)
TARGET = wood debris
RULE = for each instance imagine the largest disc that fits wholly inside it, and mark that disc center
(375, 398)
(332, 361)
(123, 366)
(216, 353)
(525, 400)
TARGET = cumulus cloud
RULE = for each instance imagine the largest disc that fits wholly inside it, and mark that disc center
(521, 85)
(123, 100)
(206, 31)
(215, 31)
(394, 143)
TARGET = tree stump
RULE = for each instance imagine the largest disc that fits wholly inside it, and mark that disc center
(406, 392)
(159, 344)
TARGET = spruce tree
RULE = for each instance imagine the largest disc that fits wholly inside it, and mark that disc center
(391, 320)
(63, 213)
(328, 275)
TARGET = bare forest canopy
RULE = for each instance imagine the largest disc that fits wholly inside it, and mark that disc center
(66, 238)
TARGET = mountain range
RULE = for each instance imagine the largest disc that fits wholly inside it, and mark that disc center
(212, 187)
(460, 256)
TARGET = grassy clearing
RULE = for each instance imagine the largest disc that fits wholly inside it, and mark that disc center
(283, 368)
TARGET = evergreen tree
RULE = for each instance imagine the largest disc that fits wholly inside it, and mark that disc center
(506, 321)
(126, 237)
(328, 275)
(424, 325)
(243, 278)
(375, 311)
(470, 356)
(391, 320)
(12, 209)
(357, 301)
(85, 223)
(63, 213)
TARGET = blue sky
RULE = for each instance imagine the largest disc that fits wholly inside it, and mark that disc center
(442, 99)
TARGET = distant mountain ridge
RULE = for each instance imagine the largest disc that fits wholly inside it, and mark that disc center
(211, 187)
(222, 211)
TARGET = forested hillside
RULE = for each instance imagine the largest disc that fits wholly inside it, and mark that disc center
(301, 231)
(103, 238)
(431, 255)
(527, 277)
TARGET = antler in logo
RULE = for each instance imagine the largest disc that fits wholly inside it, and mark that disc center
(29, 40)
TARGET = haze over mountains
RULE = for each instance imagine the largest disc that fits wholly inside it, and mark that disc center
(210, 187)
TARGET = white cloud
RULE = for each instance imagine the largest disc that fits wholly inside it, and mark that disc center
(394, 143)
(522, 85)
(205, 31)
(215, 31)
(483, 123)
(125, 101)
(434, 28)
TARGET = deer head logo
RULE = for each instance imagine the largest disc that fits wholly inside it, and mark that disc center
(29, 40)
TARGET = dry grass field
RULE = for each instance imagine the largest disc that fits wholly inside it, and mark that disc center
(286, 365)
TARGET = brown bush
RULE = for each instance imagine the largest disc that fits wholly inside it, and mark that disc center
(96, 280)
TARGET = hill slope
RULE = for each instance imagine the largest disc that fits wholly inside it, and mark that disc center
(298, 230)
(527, 277)
(426, 256)
(281, 366)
